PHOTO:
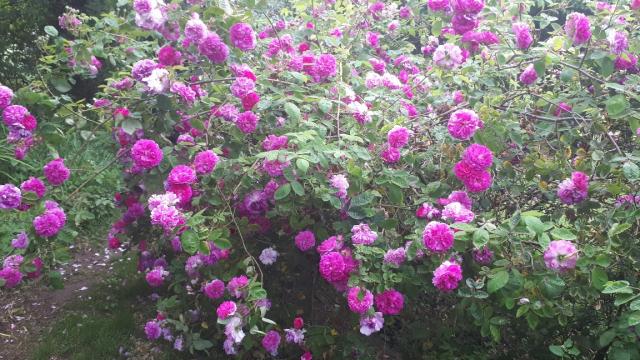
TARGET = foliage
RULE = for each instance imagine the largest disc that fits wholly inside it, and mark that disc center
(552, 239)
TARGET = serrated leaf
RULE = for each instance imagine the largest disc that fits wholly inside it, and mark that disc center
(61, 84)
(617, 287)
(480, 238)
(498, 281)
(50, 30)
(303, 165)
(297, 188)
(618, 229)
(282, 192)
(292, 110)
(189, 240)
(631, 171)
(564, 234)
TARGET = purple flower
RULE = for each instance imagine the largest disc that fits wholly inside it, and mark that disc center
(195, 29)
(427, 211)
(448, 56)
(359, 302)
(305, 240)
(11, 276)
(35, 186)
(478, 157)
(10, 196)
(395, 257)
(438, 5)
(146, 154)
(168, 56)
(398, 136)
(390, 155)
(205, 161)
(463, 124)
(242, 36)
(143, 69)
(226, 309)
(247, 122)
(294, 336)
(21, 241)
(182, 174)
(447, 276)
(389, 302)
(214, 289)
(152, 330)
(457, 212)
(574, 190)
(371, 324)
(483, 256)
(529, 75)
(617, 41)
(578, 28)
(6, 96)
(561, 255)
(341, 184)
(437, 237)
(523, 35)
(213, 48)
(242, 86)
(363, 235)
(56, 172)
(268, 256)
(271, 342)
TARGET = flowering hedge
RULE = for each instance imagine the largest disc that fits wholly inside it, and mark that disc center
(458, 162)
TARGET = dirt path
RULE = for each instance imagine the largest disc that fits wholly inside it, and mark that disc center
(29, 309)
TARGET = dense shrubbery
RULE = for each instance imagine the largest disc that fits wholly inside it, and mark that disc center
(357, 171)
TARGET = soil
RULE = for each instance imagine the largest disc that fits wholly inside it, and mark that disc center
(32, 307)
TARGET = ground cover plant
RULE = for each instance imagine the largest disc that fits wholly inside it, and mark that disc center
(349, 179)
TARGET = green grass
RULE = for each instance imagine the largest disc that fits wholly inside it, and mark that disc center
(97, 328)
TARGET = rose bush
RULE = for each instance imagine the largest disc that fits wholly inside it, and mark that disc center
(371, 165)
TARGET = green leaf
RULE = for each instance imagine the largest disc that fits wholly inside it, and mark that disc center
(222, 243)
(324, 105)
(618, 229)
(61, 84)
(282, 192)
(50, 30)
(362, 199)
(564, 234)
(556, 350)
(634, 318)
(533, 320)
(535, 225)
(635, 305)
(624, 298)
(631, 171)
(130, 125)
(292, 110)
(189, 240)
(498, 281)
(617, 287)
(522, 310)
(201, 344)
(616, 105)
(480, 239)
(599, 278)
(297, 188)
(303, 165)
(606, 337)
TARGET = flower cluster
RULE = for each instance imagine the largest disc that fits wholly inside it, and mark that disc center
(472, 170)
(19, 122)
(574, 190)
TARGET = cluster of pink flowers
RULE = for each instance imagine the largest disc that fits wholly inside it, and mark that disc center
(448, 56)
(20, 123)
(397, 138)
(10, 196)
(51, 221)
(472, 170)
(574, 190)
(156, 277)
(151, 14)
(336, 262)
(164, 212)
(363, 235)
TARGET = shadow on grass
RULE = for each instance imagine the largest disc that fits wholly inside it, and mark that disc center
(97, 327)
